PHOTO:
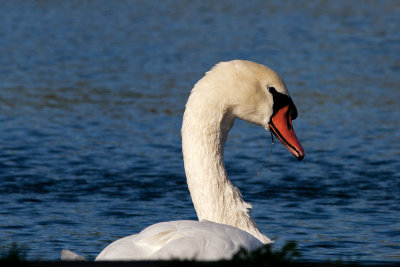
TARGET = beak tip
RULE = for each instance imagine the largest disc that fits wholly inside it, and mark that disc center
(300, 157)
(299, 153)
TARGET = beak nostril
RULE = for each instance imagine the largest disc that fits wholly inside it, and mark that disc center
(289, 122)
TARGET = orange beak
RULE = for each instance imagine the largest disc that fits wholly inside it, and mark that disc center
(281, 126)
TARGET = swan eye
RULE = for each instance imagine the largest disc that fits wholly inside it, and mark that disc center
(272, 90)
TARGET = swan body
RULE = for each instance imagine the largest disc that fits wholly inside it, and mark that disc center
(181, 240)
(234, 89)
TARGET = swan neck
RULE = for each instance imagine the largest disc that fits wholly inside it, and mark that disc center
(204, 133)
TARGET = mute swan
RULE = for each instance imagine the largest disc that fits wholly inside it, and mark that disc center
(234, 89)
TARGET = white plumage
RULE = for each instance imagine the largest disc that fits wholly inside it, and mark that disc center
(181, 240)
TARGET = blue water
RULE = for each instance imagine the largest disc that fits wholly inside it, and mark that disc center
(91, 100)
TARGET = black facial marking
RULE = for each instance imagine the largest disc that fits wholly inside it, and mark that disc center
(281, 100)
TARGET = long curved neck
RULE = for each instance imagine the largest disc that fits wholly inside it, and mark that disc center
(205, 127)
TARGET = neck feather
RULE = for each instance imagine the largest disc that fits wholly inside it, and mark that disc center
(204, 132)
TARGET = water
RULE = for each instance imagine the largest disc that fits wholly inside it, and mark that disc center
(91, 99)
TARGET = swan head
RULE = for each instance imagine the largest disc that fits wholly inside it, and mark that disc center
(255, 93)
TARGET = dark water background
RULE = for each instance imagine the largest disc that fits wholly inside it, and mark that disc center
(91, 100)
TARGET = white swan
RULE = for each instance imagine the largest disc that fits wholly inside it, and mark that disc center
(234, 89)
